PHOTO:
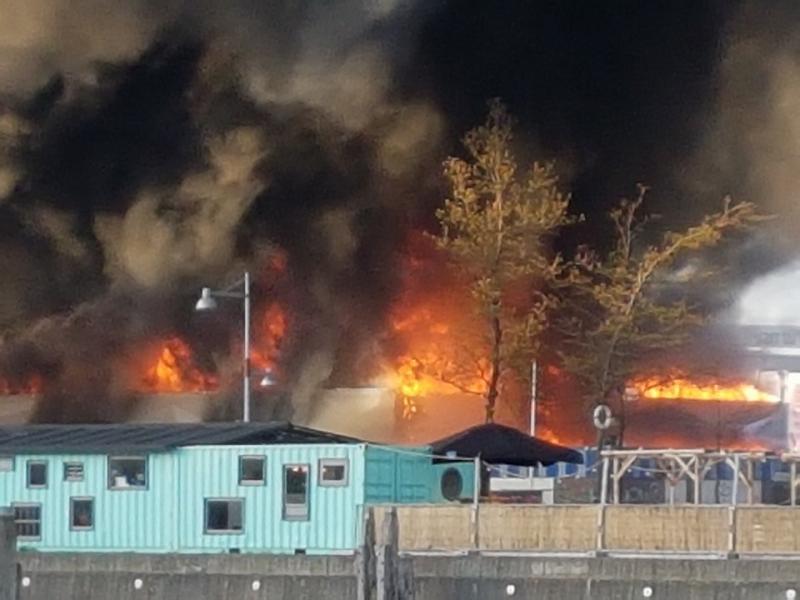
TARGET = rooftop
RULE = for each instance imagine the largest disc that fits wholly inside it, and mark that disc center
(153, 437)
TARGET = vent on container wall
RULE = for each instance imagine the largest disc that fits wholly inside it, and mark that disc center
(452, 484)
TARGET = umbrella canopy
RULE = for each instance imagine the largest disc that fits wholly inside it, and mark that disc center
(499, 444)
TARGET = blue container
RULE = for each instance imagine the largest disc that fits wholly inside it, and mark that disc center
(135, 495)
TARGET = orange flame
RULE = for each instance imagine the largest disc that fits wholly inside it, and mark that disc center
(684, 389)
(433, 324)
(409, 383)
(269, 335)
(409, 377)
(31, 386)
(174, 371)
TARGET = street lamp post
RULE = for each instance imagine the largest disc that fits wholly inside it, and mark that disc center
(207, 302)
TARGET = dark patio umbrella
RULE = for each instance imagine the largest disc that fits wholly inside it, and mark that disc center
(498, 444)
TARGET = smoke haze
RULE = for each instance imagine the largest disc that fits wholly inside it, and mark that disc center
(149, 148)
(753, 147)
(152, 147)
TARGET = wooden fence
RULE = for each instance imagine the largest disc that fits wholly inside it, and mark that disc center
(685, 529)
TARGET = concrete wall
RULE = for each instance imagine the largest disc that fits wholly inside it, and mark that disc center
(473, 577)
(489, 578)
(185, 577)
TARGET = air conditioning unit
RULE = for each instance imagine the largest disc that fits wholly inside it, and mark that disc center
(453, 482)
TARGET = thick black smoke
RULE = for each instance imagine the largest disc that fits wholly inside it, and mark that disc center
(181, 149)
(149, 149)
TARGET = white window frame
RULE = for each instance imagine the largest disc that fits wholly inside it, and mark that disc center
(253, 482)
(128, 488)
(72, 501)
(74, 463)
(334, 462)
(14, 506)
(296, 515)
(207, 531)
(28, 465)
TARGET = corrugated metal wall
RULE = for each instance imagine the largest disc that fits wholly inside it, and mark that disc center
(170, 514)
(123, 520)
(399, 475)
(212, 472)
(407, 476)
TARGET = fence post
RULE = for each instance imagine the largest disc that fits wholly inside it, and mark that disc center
(732, 509)
(365, 565)
(601, 510)
(394, 576)
(8, 555)
(476, 505)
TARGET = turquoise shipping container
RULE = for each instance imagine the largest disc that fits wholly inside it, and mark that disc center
(206, 488)
(403, 475)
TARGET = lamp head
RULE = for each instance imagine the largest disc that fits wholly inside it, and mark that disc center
(267, 380)
(206, 300)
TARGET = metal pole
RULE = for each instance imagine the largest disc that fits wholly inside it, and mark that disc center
(698, 489)
(246, 365)
(476, 503)
(604, 482)
(534, 394)
(476, 484)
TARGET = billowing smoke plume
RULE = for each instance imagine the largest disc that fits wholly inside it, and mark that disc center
(191, 230)
(151, 148)
(753, 148)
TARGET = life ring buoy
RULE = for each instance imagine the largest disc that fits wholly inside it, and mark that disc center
(602, 417)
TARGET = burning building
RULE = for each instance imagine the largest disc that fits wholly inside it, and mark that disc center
(146, 153)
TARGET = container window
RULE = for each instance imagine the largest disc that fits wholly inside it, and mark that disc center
(73, 471)
(127, 472)
(224, 515)
(252, 470)
(333, 472)
(295, 492)
(81, 514)
(37, 474)
(6, 464)
(28, 521)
